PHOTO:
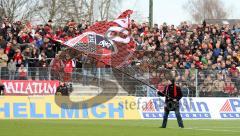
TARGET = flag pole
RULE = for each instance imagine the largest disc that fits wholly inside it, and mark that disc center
(150, 13)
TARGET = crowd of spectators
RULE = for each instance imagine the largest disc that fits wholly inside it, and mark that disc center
(213, 49)
(203, 46)
(24, 47)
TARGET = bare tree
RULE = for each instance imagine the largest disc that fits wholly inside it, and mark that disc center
(104, 9)
(17, 9)
(78, 9)
(107, 8)
(60, 11)
(90, 6)
(206, 9)
(48, 9)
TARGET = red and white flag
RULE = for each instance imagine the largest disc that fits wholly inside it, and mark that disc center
(109, 42)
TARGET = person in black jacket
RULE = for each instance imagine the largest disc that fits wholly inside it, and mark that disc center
(172, 95)
(62, 89)
(1, 88)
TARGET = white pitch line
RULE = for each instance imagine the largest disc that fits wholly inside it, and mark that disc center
(218, 127)
(206, 129)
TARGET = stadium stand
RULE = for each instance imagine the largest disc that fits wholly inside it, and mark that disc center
(204, 58)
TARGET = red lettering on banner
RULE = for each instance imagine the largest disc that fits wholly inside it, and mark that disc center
(27, 87)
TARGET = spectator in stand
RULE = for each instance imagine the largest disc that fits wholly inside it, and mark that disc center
(49, 23)
(233, 70)
(62, 89)
(4, 27)
(206, 87)
(68, 69)
(42, 55)
(34, 63)
(218, 86)
(71, 29)
(38, 40)
(27, 55)
(43, 69)
(12, 69)
(56, 68)
(9, 50)
(1, 88)
(49, 52)
(22, 73)
(3, 58)
(3, 63)
(3, 42)
(229, 88)
(18, 58)
(139, 43)
(46, 43)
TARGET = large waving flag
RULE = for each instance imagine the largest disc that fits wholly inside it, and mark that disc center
(109, 42)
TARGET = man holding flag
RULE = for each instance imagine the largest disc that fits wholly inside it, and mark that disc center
(172, 94)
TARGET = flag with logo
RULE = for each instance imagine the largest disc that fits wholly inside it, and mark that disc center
(110, 42)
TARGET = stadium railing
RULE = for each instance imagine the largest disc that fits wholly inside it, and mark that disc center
(194, 82)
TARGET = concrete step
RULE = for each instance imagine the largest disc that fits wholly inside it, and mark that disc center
(91, 90)
(99, 91)
(95, 94)
(96, 89)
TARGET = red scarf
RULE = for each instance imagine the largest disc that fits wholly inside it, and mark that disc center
(175, 90)
(7, 50)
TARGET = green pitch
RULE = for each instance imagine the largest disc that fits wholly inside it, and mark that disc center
(117, 128)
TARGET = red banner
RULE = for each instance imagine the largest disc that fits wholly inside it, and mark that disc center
(28, 87)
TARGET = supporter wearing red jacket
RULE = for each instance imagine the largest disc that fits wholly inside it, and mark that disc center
(22, 73)
(56, 67)
(68, 69)
(18, 58)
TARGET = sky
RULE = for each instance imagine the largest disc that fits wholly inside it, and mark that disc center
(170, 11)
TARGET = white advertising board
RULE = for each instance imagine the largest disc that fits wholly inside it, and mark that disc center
(192, 108)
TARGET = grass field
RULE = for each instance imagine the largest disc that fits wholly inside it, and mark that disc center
(117, 128)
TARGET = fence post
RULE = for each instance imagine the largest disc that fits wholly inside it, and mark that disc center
(99, 78)
(122, 80)
(196, 82)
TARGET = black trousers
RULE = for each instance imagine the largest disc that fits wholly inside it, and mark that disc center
(167, 109)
